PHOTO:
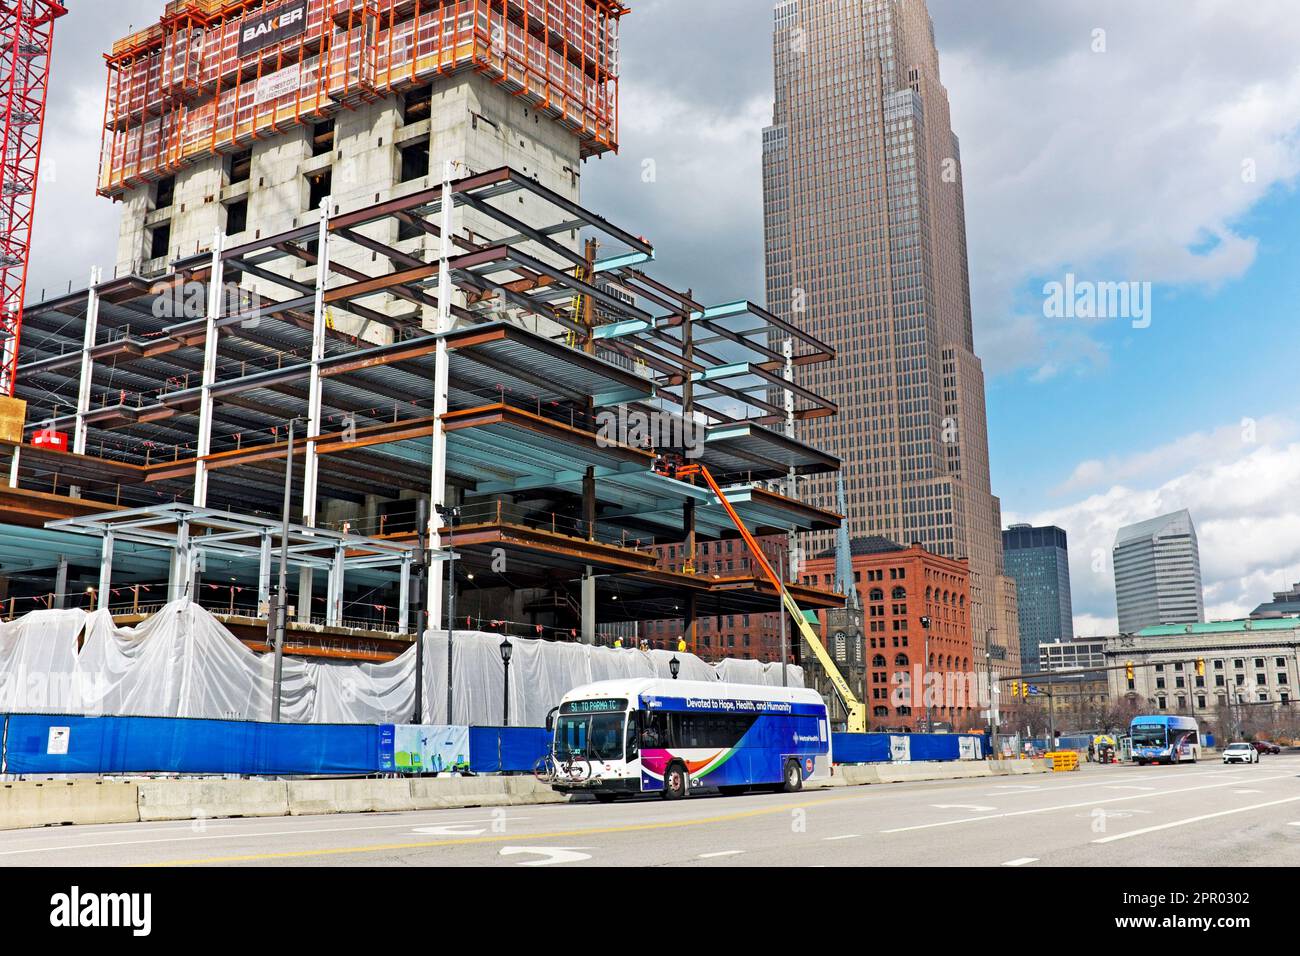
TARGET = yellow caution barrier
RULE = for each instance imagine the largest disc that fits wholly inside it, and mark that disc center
(1063, 759)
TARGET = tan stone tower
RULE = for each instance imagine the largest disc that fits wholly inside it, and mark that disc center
(866, 249)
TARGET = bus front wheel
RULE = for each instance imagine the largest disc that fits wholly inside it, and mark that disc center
(674, 782)
(793, 777)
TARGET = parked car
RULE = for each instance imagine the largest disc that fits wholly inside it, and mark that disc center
(1240, 752)
(1266, 747)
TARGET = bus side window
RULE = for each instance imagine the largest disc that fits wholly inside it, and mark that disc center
(633, 734)
(654, 730)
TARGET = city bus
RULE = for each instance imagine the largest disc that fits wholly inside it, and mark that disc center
(1159, 738)
(673, 737)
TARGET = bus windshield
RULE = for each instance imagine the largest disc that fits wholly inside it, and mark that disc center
(594, 736)
(1149, 735)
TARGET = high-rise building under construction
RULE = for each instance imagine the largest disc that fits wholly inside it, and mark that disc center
(239, 116)
(866, 249)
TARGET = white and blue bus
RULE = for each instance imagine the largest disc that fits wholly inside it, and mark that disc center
(1160, 738)
(646, 735)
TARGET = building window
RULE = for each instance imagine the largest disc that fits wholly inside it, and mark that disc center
(318, 187)
(239, 167)
(160, 239)
(414, 160)
(236, 217)
(322, 138)
(164, 193)
(417, 104)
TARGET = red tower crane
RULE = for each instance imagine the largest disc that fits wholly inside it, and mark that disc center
(26, 45)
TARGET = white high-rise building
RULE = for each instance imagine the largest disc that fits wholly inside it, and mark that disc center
(1158, 573)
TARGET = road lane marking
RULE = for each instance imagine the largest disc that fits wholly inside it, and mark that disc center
(962, 806)
(550, 855)
(710, 856)
(1248, 791)
(854, 836)
(1021, 861)
(450, 829)
(1066, 806)
(1189, 820)
(1127, 786)
(498, 838)
(234, 833)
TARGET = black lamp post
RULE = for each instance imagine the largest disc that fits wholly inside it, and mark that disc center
(506, 650)
(925, 624)
(674, 666)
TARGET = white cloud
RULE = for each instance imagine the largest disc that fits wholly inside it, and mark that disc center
(1242, 499)
(1122, 165)
(1180, 453)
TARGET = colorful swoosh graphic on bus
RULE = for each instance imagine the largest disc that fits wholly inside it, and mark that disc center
(655, 762)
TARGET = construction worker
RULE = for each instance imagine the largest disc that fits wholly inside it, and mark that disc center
(618, 643)
(681, 644)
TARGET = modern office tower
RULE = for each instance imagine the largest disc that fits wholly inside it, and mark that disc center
(1158, 573)
(866, 249)
(1038, 559)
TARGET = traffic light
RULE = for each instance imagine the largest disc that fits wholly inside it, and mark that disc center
(1200, 667)
(1128, 670)
(1015, 688)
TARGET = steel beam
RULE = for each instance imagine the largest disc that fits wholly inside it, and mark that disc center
(216, 283)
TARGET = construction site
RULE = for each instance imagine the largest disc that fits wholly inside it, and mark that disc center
(362, 331)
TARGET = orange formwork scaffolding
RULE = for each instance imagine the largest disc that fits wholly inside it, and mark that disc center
(214, 75)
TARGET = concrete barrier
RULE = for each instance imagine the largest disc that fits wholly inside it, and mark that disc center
(439, 792)
(349, 796)
(33, 804)
(859, 775)
(58, 802)
(209, 799)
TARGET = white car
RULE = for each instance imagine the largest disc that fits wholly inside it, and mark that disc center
(1240, 752)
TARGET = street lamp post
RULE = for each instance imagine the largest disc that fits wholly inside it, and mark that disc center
(506, 649)
(674, 666)
(993, 701)
(450, 514)
(925, 625)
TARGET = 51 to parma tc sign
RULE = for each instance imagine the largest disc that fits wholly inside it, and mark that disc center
(283, 23)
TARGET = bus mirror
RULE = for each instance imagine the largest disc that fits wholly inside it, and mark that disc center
(550, 720)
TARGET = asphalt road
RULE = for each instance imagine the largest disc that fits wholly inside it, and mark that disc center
(1206, 814)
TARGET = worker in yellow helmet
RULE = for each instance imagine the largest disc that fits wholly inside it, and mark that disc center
(618, 643)
(681, 644)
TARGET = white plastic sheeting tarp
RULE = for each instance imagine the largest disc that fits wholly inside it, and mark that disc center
(182, 662)
(38, 662)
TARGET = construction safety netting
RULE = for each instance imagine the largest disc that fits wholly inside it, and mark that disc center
(182, 662)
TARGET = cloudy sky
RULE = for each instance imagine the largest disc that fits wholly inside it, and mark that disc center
(1151, 143)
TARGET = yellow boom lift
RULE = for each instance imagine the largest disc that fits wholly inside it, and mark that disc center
(856, 710)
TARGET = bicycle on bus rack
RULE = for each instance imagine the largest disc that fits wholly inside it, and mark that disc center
(562, 768)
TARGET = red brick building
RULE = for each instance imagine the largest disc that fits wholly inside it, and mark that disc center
(756, 636)
(898, 587)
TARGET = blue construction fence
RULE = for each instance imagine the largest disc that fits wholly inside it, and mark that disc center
(884, 748)
(58, 744)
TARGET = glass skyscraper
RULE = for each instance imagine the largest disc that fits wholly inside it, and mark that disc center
(866, 249)
(1158, 573)
(1039, 560)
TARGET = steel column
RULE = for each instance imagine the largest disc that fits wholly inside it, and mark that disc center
(311, 458)
(404, 596)
(438, 472)
(86, 393)
(216, 285)
(105, 570)
(264, 575)
(61, 583)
